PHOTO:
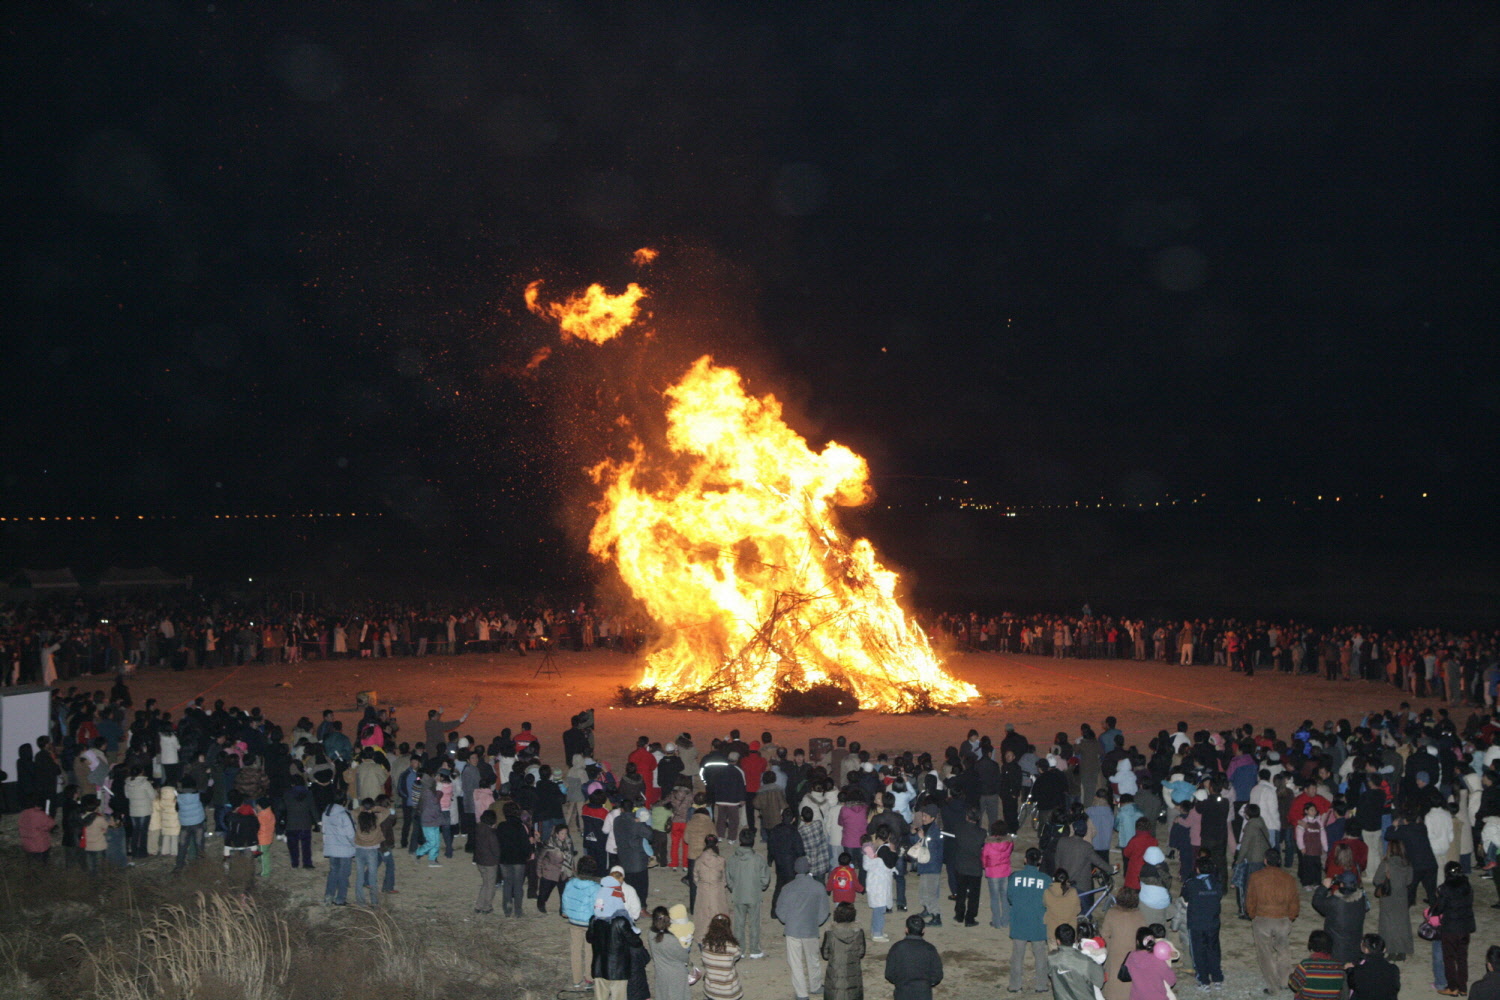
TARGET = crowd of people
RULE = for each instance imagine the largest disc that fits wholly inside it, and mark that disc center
(47, 641)
(52, 640)
(1108, 859)
(1424, 662)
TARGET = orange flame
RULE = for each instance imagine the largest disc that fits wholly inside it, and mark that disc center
(644, 256)
(593, 314)
(728, 540)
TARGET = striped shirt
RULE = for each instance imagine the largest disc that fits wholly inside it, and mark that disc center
(1317, 977)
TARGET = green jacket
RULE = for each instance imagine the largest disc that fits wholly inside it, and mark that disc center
(747, 874)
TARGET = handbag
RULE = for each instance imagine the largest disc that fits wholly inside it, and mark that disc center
(920, 852)
(1382, 888)
(1431, 926)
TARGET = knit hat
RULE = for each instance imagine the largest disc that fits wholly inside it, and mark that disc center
(801, 866)
(670, 748)
(1154, 855)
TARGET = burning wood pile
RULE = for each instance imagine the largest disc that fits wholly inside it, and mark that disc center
(726, 535)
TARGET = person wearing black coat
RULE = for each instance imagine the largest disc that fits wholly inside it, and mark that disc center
(987, 778)
(1488, 987)
(783, 848)
(515, 851)
(1455, 904)
(1373, 977)
(1343, 906)
(614, 941)
(964, 856)
(1050, 789)
(913, 965)
(1412, 832)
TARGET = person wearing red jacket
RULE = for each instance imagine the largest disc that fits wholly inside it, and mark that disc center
(754, 765)
(1134, 853)
(844, 881)
(645, 763)
(35, 828)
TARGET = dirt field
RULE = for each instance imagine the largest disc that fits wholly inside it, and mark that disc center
(1040, 696)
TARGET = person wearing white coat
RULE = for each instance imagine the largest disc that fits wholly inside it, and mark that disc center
(880, 877)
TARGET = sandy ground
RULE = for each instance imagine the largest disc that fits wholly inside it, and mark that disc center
(1040, 696)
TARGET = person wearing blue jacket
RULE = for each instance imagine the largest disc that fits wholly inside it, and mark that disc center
(929, 835)
(578, 909)
(1025, 891)
(338, 848)
(1203, 893)
(191, 815)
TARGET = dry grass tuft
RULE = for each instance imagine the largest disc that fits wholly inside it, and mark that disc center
(220, 944)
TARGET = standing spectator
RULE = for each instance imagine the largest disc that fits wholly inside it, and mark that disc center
(367, 837)
(577, 909)
(913, 966)
(1455, 905)
(165, 821)
(879, 881)
(432, 816)
(1319, 976)
(843, 947)
(966, 855)
(720, 952)
(487, 859)
(1392, 881)
(1075, 976)
(1119, 929)
(784, 845)
(670, 955)
(815, 846)
(614, 939)
(191, 818)
(515, 851)
(338, 851)
(1272, 902)
(1343, 905)
(802, 909)
(301, 814)
(1202, 893)
(927, 853)
(554, 864)
(1063, 904)
(265, 817)
(1411, 831)
(142, 802)
(747, 876)
(1026, 891)
(996, 858)
(1149, 976)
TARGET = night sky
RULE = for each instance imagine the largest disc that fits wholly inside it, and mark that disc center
(270, 258)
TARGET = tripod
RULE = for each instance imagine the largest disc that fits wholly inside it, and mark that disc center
(548, 667)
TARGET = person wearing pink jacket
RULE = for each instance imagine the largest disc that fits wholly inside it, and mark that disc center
(995, 856)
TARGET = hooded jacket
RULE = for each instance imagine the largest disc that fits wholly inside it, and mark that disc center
(843, 947)
(164, 816)
(338, 832)
(141, 795)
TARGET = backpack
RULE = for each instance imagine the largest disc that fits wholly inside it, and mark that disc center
(843, 879)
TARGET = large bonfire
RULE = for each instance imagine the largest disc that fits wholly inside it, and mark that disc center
(727, 537)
